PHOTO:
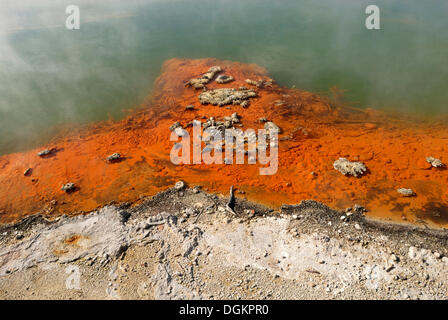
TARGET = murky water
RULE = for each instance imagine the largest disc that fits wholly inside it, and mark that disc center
(50, 77)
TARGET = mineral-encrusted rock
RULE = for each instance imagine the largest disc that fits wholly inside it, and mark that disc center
(175, 125)
(359, 209)
(113, 157)
(349, 168)
(199, 83)
(218, 126)
(68, 187)
(406, 192)
(228, 123)
(224, 79)
(436, 163)
(179, 185)
(225, 96)
(44, 153)
(244, 103)
(235, 117)
(260, 83)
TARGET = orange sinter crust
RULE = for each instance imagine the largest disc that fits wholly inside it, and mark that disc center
(314, 134)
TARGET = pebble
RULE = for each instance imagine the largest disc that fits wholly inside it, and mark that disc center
(113, 157)
(68, 187)
(406, 192)
(44, 153)
(175, 125)
(27, 172)
(179, 185)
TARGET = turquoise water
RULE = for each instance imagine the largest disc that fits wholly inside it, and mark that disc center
(50, 77)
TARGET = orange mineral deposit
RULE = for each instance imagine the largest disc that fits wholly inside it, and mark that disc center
(314, 135)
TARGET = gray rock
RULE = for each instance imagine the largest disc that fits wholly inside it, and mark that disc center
(257, 84)
(406, 192)
(224, 79)
(175, 125)
(68, 187)
(28, 172)
(179, 185)
(436, 163)
(44, 153)
(359, 209)
(244, 104)
(113, 157)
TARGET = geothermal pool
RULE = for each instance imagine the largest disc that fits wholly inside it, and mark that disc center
(52, 78)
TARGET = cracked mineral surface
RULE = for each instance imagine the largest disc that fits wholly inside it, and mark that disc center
(185, 244)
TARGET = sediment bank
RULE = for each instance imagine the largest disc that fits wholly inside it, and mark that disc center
(184, 243)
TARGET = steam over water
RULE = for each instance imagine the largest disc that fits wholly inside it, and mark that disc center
(50, 76)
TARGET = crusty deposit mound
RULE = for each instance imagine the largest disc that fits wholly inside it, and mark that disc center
(314, 134)
(221, 97)
(349, 168)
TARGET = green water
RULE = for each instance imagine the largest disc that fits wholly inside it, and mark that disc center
(50, 76)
